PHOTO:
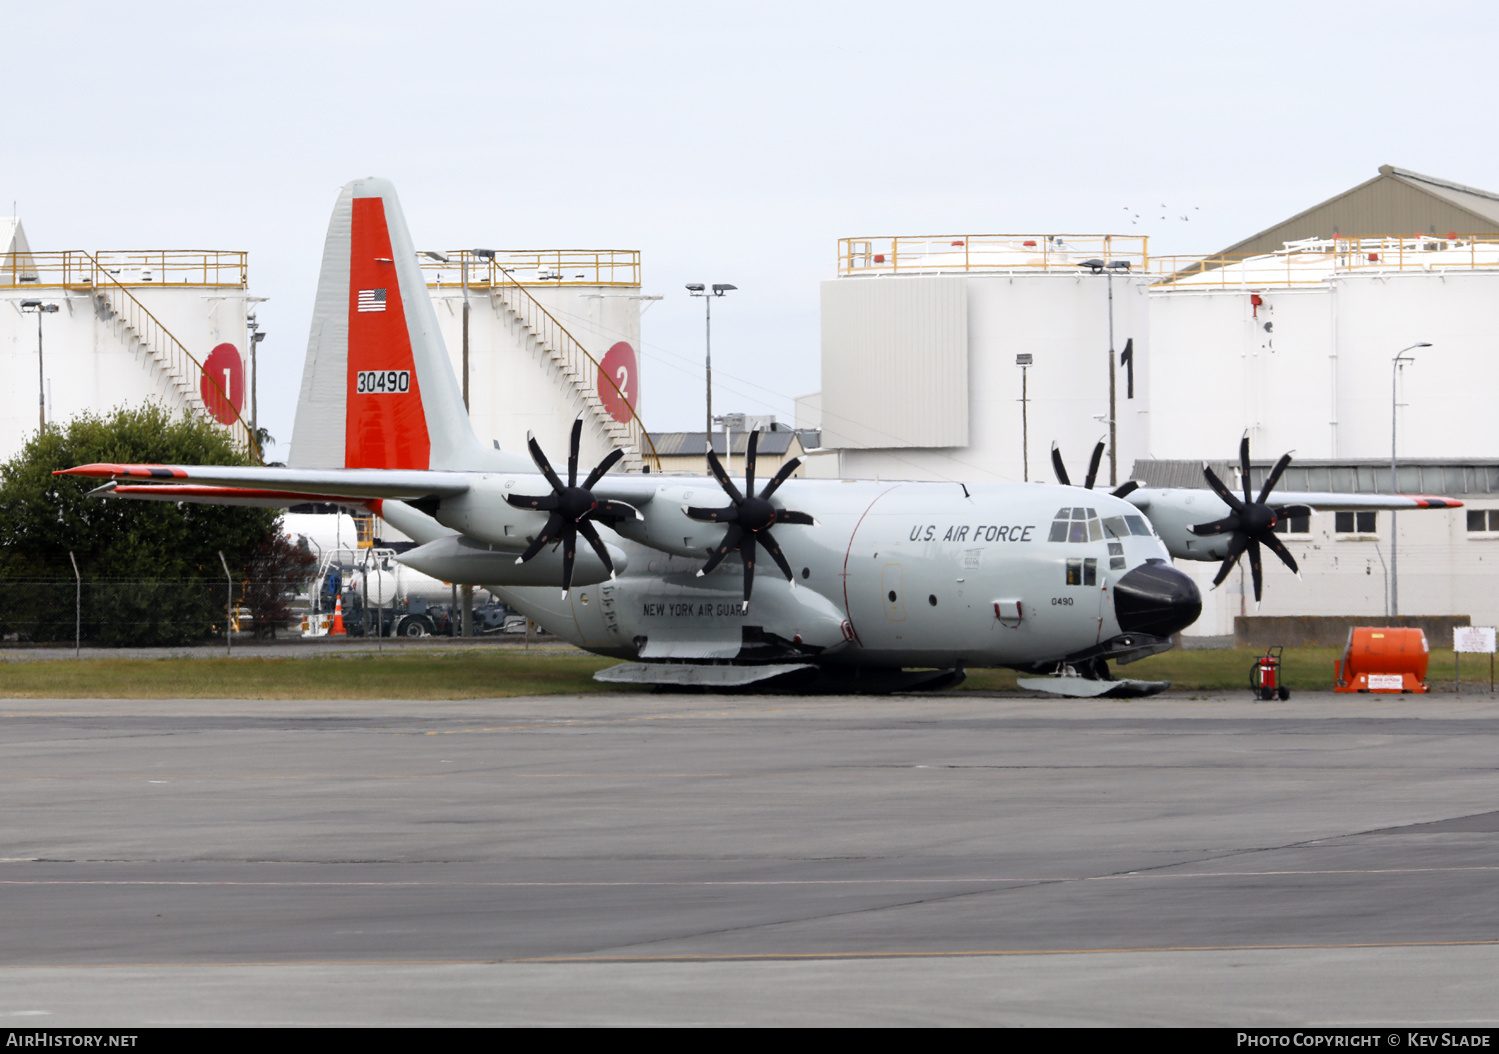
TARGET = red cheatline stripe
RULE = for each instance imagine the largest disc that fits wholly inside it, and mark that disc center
(233, 492)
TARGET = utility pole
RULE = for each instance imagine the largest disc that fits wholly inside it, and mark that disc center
(1395, 368)
(1108, 270)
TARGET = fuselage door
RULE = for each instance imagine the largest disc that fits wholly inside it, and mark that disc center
(893, 583)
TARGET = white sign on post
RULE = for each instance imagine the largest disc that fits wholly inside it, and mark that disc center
(1473, 638)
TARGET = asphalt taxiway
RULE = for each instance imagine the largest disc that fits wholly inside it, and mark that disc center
(691, 859)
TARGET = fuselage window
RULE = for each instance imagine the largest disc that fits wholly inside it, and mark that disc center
(1082, 572)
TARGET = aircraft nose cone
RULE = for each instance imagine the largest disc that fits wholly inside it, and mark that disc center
(1157, 599)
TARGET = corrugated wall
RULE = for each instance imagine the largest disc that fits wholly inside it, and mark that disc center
(895, 362)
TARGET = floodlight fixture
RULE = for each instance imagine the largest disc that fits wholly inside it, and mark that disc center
(1119, 265)
(1095, 265)
(720, 290)
(483, 254)
(695, 288)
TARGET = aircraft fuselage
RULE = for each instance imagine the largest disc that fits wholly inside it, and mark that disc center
(892, 574)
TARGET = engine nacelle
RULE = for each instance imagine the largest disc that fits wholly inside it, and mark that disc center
(459, 559)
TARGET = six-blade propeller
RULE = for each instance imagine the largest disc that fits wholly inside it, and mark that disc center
(571, 507)
(1250, 521)
(1061, 470)
(749, 517)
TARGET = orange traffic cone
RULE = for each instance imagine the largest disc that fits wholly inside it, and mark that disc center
(338, 618)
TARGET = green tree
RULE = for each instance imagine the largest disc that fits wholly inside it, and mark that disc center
(43, 517)
(151, 569)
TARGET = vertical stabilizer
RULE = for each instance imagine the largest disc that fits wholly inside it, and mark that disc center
(378, 389)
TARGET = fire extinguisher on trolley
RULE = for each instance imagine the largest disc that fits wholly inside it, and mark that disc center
(1264, 676)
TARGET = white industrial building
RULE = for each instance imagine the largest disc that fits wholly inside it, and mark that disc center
(920, 338)
(120, 329)
(551, 334)
(1290, 336)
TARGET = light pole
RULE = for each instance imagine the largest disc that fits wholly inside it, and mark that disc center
(1023, 360)
(1108, 270)
(708, 293)
(466, 608)
(41, 382)
(1395, 368)
(483, 254)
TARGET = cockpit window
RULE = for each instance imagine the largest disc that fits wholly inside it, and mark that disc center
(1059, 526)
(1137, 525)
(1077, 525)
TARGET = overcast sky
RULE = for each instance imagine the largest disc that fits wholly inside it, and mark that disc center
(727, 143)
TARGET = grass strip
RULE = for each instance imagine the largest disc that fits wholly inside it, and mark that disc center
(482, 674)
(468, 674)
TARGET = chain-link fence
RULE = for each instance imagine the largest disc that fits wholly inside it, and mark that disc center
(119, 613)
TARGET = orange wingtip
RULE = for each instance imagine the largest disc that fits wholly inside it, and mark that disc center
(107, 471)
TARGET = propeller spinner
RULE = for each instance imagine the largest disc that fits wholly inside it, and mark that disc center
(1061, 470)
(749, 517)
(571, 507)
(1250, 521)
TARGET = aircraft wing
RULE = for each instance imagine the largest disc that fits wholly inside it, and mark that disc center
(1323, 501)
(1175, 512)
(308, 484)
(1316, 500)
(332, 484)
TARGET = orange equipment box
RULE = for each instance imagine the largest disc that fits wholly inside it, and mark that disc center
(1383, 659)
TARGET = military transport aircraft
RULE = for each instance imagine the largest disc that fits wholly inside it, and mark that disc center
(870, 584)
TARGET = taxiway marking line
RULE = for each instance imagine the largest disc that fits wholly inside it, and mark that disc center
(759, 956)
(709, 883)
(593, 721)
(982, 953)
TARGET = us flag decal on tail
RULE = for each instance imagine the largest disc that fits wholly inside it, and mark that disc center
(371, 300)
